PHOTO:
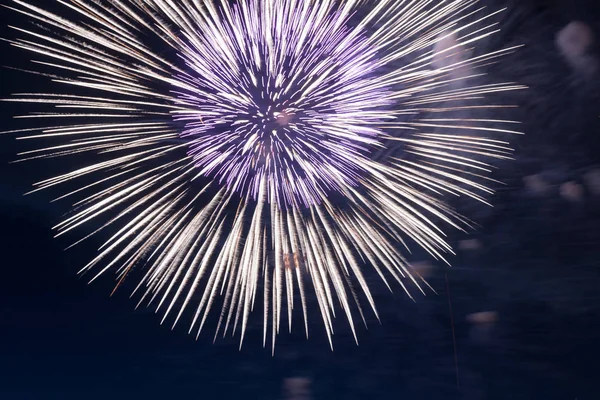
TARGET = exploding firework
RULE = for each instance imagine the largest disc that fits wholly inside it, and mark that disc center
(271, 148)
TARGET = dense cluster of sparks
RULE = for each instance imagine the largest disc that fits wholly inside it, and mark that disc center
(239, 147)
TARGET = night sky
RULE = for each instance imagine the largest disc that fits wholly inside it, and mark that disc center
(532, 268)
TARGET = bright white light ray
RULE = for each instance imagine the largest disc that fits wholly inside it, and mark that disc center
(242, 147)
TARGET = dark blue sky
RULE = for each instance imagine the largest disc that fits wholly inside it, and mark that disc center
(537, 270)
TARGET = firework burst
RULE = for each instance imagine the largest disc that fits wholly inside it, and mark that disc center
(241, 149)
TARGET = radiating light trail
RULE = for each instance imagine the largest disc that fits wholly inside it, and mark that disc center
(271, 148)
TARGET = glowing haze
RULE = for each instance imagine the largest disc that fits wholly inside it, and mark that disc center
(238, 150)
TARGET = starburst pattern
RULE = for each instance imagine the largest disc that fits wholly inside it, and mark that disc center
(244, 148)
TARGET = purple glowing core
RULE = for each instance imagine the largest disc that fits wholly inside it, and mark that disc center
(286, 103)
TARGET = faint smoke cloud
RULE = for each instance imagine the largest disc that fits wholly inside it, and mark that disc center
(297, 388)
(574, 42)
